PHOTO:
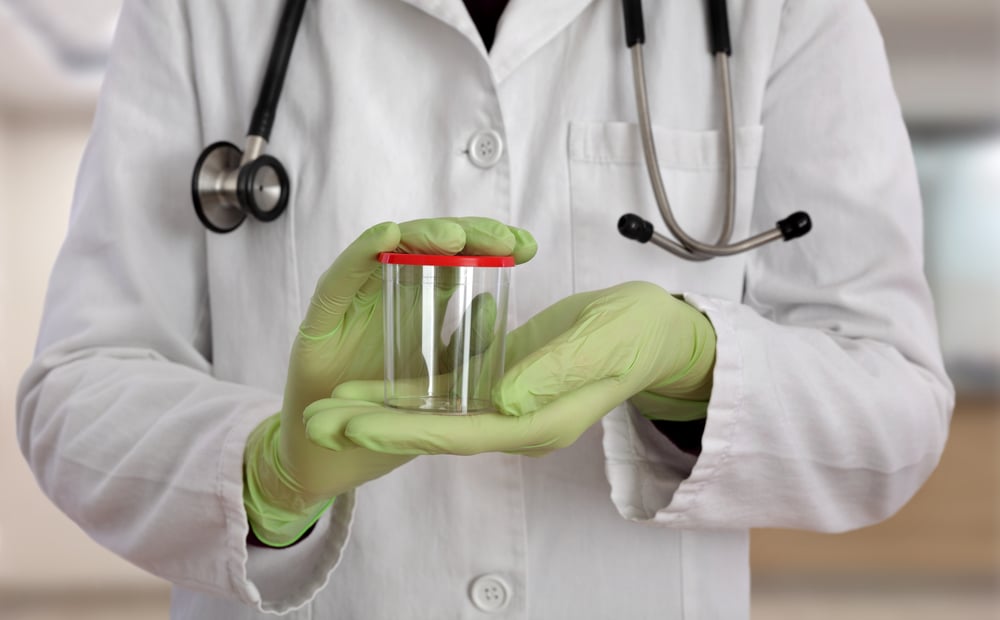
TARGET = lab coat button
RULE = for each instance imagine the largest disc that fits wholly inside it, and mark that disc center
(489, 593)
(486, 148)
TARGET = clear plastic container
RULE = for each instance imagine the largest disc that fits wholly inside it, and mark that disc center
(445, 325)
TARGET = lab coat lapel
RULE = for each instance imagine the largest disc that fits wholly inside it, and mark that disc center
(526, 26)
(453, 13)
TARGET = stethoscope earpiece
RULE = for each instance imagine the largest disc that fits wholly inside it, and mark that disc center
(636, 228)
(633, 227)
(795, 225)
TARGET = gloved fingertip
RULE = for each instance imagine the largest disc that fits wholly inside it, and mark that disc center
(507, 399)
(486, 237)
(360, 437)
(450, 235)
(370, 391)
(525, 246)
(503, 237)
(384, 237)
(431, 236)
(314, 409)
(324, 430)
(322, 437)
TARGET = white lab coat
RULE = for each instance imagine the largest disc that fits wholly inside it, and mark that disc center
(163, 345)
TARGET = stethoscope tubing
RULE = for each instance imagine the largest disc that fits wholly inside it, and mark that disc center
(685, 246)
(225, 192)
(689, 247)
(277, 68)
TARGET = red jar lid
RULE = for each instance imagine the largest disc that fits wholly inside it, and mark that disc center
(440, 260)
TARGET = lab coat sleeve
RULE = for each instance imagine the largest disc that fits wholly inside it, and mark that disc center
(830, 405)
(119, 415)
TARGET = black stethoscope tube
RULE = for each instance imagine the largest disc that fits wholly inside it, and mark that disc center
(277, 68)
(718, 25)
(635, 28)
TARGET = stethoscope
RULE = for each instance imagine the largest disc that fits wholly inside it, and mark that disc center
(228, 184)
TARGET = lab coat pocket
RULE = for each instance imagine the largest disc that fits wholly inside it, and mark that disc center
(608, 178)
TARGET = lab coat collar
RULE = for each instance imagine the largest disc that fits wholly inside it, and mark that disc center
(525, 26)
(453, 13)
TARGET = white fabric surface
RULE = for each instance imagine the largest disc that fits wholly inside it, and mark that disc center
(163, 345)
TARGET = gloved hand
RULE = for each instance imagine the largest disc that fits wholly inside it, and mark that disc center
(671, 346)
(568, 366)
(296, 461)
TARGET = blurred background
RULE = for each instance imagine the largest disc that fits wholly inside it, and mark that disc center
(939, 558)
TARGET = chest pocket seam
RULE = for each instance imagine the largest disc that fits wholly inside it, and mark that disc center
(621, 143)
(608, 178)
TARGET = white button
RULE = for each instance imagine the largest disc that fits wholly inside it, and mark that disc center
(486, 148)
(489, 593)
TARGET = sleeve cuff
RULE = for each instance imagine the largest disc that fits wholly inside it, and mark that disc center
(290, 578)
(276, 580)
(652, 480)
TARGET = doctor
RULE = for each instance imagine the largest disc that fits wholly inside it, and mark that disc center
(676, 404)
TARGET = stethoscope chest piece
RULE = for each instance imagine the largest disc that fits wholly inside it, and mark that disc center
(225, 190)
(217, 208)
(262, 188)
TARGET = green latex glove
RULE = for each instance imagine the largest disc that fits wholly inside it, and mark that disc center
(568, 367)
(297, 461)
